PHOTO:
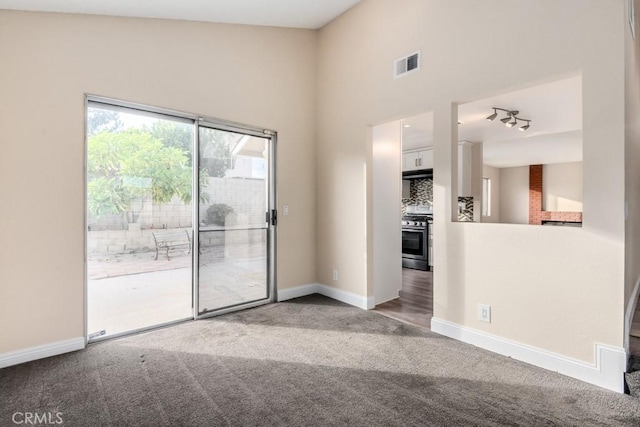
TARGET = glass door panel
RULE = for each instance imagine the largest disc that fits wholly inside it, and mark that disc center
(139, 219)
(234, 225)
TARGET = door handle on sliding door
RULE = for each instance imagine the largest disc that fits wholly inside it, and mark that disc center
(271, 217)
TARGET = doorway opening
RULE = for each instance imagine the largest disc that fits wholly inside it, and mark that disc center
(402, 183)
(180, 217)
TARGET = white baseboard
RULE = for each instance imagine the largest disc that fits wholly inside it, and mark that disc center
(346, 297)
(41, 351)
(608, 372)
(628, 315)
(328, 291)
(297, 292)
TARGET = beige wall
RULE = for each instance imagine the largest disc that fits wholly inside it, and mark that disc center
(255, 75)
(632, 158)
(514, 195)
(543, 283)
(494, 205)
(562, 187)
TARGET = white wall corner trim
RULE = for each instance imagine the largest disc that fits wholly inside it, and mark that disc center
(359, 301)
(608, 372)
(41, 351)
(628, 315)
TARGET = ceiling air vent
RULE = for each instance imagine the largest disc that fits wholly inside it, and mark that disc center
(408, 64)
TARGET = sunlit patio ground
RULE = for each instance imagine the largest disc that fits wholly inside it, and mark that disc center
(132, 291)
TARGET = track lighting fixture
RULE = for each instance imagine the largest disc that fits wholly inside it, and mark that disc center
(511, 119)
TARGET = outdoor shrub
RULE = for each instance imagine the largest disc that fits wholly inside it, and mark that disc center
(217, 213)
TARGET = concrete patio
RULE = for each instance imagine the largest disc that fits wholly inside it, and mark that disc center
(132, 291)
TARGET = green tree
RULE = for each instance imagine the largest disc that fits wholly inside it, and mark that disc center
(129, 165)
(216, 150)
(174, 134)
(215, 145)
(99, 120)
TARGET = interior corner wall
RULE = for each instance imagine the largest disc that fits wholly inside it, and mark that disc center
(562, 187)
(260, 76)
(514, 195)
(543, 283)
(632, 159)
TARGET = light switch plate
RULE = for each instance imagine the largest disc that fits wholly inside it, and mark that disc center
(285, 210)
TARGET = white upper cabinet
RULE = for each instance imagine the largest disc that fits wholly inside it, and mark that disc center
(410, 161)
(464, 169)
(417, 159)
(426, 159)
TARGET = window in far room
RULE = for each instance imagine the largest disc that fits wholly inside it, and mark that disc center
(486, 197)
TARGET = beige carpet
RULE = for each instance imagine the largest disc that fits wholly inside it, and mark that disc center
(307, 362)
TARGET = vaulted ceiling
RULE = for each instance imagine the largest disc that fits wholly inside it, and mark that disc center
(310, 14)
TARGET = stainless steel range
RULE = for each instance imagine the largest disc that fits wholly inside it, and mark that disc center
(417, 242)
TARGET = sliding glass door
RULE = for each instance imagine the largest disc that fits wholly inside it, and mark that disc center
(235, 219)
(179, 217)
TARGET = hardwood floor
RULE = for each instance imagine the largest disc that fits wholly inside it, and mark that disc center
(415, 304)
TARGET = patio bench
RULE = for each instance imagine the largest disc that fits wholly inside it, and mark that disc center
(171, 240)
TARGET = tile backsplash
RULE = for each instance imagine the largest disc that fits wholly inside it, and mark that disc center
(420, 193)
(465, 209)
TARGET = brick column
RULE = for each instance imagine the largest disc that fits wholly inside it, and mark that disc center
(535, 194)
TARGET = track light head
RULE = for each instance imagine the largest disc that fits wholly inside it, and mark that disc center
(493, 116)
(506, 119)
(511, 124)
(524, 128)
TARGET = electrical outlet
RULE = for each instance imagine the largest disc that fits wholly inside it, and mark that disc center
(484, 313)
(335, 275)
